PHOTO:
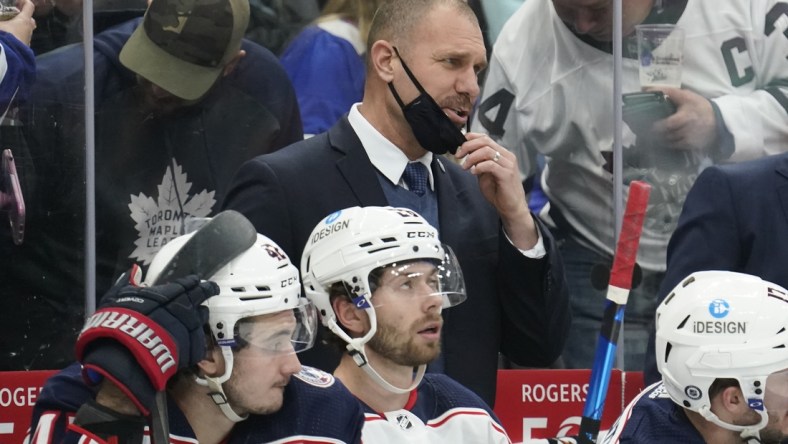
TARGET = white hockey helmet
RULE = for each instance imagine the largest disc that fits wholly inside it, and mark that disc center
(349, 244)
(259, 281)
(721, 324)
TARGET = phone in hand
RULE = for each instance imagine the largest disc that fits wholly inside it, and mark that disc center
(642, 109)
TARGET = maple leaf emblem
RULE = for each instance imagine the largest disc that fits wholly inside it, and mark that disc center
(159, 221)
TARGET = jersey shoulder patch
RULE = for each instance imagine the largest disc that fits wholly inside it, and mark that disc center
(315, 377)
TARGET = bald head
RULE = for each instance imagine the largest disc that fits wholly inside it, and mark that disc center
(396, 21)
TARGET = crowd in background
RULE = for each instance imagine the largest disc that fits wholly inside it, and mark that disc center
(544, 94)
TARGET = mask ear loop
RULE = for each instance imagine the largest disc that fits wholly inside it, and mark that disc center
(410, 76)
(409, 73)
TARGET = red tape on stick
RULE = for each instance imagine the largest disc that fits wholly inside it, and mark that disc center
(629, 238)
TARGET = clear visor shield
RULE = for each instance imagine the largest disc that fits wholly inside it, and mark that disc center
(775, 398)
(285, 332)
(421, 278)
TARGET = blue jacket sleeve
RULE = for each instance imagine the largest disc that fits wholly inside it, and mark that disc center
(328, 77)
(17, 71)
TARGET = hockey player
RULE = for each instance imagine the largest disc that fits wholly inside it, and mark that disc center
(722, 350)
(380, 277)
(549, 93)
(247, 387)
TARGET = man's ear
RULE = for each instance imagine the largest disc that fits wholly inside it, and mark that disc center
(232, 64)
(353, 319)
(213, 363)
(732, 399)
(381, 58)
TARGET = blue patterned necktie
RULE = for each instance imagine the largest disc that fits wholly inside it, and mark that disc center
(416, 176)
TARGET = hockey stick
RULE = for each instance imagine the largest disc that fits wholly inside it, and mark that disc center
(213, 246)
(216, 243)
(617, 293)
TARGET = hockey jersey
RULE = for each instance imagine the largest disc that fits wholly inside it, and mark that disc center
(317, 409)
(439, 410)
(549, 92)
(652, 417)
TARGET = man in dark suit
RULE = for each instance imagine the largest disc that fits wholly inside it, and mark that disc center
(423, 60)
(735, 218)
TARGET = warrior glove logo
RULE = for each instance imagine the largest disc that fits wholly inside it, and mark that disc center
(150, 344)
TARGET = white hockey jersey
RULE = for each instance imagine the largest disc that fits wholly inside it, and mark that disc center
(549, 92)
(440, 410)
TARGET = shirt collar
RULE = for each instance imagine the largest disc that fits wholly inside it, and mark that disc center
(384, 155)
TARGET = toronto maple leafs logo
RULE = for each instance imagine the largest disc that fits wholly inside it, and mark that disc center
(160, 221)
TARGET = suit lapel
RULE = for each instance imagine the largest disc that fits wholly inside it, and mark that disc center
(354, 165)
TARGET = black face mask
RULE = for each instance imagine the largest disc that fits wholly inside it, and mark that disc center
(431, 126)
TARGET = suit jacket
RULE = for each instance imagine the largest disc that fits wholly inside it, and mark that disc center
(735, 218)
(516, 305)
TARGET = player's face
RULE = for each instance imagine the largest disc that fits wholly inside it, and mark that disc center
(445, 54)
(776, 402)
(262, 369)
(595, 17)
(408, 307)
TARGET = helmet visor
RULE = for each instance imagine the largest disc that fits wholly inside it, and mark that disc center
(415, 278)
(284, 332)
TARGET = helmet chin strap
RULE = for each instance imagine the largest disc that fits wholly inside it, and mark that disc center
(217, 391)
(355, 348)
(360, 357)
(749, 433)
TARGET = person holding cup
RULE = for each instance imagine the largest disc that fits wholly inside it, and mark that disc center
(549, 93)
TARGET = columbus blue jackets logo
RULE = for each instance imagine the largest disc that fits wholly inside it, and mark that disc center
(315, 377)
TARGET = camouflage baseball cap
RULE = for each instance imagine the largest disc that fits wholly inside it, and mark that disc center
(183, 45)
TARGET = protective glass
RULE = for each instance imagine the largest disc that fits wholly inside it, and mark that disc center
(427, 277)
(284, 332)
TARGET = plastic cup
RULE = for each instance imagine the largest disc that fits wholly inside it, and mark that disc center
(8, 9)
(660, 52)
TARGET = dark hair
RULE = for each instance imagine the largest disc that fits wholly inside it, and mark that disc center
(721, 384)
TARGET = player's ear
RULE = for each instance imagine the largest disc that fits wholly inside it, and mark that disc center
(733, 401)
(213, 362)
(353, 319)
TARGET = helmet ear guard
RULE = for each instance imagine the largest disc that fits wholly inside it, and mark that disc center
(720, 324)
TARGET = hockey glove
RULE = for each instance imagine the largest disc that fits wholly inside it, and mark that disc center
(139, 337)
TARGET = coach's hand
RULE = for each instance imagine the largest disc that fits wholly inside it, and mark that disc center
(139, 337)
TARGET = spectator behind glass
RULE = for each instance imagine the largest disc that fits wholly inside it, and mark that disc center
(326, 62)
(230, 363)
(549, 89)
(59, 23)
(17, 62)
(274, 23)
(385, 308)
(424, 57)
(735, 218)
(176, 113)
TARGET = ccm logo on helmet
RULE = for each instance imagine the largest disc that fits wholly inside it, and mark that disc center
(289, 281)
(421, 234)
(136, 330)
